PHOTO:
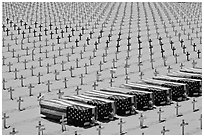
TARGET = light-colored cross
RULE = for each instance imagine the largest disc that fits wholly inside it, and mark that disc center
(63, 123)
(77, 90)
(183, 124)
(99, 129)
(94, 85)
(48, 85)
(60, 93)
(177, 109)
(164, 130)
(194, 103)
(121, 126)
(4, 120)
(159, 112)
(19, 103)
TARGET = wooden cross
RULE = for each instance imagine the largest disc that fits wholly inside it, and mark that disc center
(121, 126)
(104, 58)
(13, 132)
(94, 85)
(141, 74)
(19, 103)
(62, 63)
(59, 51)
(4, 120)
(63, 123)
(187, 56)
(194, 47)
(169, 68)
(98, 76)
(200, 121)
(100, 66)
(56, 73)
(194, 63)
(65, 82)
(81, 77)
(141, 118)
(164, 130)
(4, 83)
(111, 82)
(21, 78)
(99, 129)
(60, 94)
(71, 71)
(48, 85)
(181, 65)
(11, 92)
(90, 60)
(40, 128)
(198, 53)
(30, 89)
(112, 71)
(177, 109)
(40, 97)
(194, 103)
(164, 59)
(10, 64)
(85, 67)
(176, 58)
(160, 111)
(39, 75)
(77, 90)
(77, 63)
(183, 124)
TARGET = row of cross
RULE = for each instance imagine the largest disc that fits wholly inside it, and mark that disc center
(63, 122)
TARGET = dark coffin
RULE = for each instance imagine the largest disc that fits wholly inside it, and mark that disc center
(161, 95)
(53, 110)
(123, 105)
(104, 108)
(179, 90)
(191, 70)
(185, 75)
(78, 114)
(193, 85)
(143, 99)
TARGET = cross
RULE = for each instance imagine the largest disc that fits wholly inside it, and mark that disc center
(19, 31)
(71, 71)
(177, 106)
(187, 56)
(29, 29)
(60, 94)
(141, 118)
(141, 74)
(35, 24)
(11, 35)
(164, 130)
(194, 47)
(77, 90)
(181, 42)
(72, 30)
(40, 35)
(23, 34)
(30, 89)
(152, 64)
(181, 65)
(200, 121)
(51, 33)
(184, 49)
(183, 124)
(162, 52)
(171, 44)
(54, 58)
(86, 66)
(107, 42)
(3, 60)
(176, 58)
(173, 49)
(40, 128)
(19, 103)
(4, 120)
(40, 61)
(11, 92)
(77, 63)
(21, 78)
(111, 82)
(3, 27)
(156, 72)
(39, 75)
(80, 35)
(45, 30)
(198, 53)
(159, 112)
(87, 40)
(69, 36)
(48, 85)
(13, 132)
(63, 123)
(121, 126)
(90, 34)
(32, 68)
(164, 59)
(56, 73)
(96, 47)
(40, 97)
(99, 129)
(58, 40)
(56, 28)
(81, 54)
(62, 33)
(169, 68)
(50, 25)
(10, 64)
(112, 71)
(81, 77)
(126, 79)
(4, 83)
(194, 63)
(76, 42)
(62, 63)
(194, 103)
(7, 31)
(25, 61)
(98, 76)
(72, 48)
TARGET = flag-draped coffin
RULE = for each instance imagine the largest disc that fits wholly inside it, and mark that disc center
(193, 85)
(179, 90)
(123, 104)
(161, 95)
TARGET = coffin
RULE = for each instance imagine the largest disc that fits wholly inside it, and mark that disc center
(104, 108)
(143, 99)
(179, 90)
(52, 109)
(191, 70)
(185, 75)
(161, 95)
(123, 104)
(193, 85)
(78, 114)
